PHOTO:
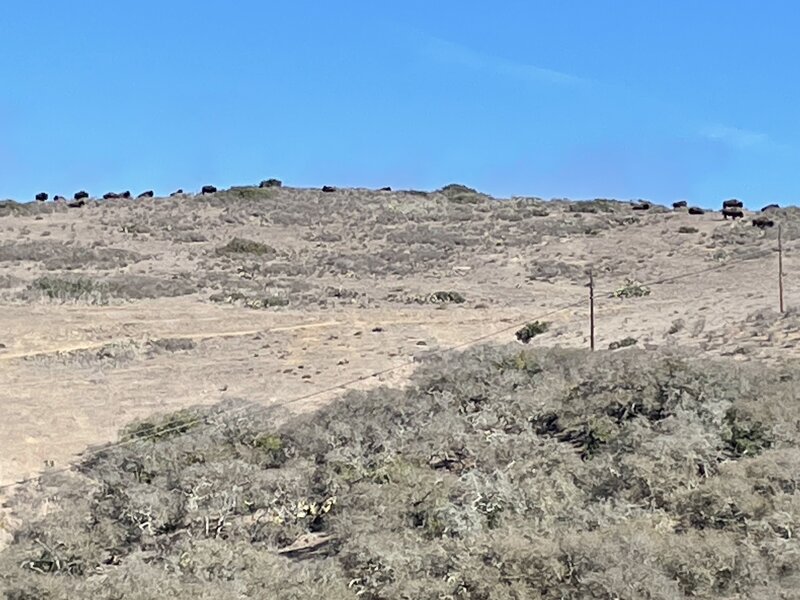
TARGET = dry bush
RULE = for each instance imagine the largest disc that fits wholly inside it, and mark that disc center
(495, 474)
(68, 289)
(12, 208)
(138, 287)
(113, 354)
(56, 256)
(554, 269)
(257, 302)
(74, 288)
(595, 206)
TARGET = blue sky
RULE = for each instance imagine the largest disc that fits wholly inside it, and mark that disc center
(580, 99)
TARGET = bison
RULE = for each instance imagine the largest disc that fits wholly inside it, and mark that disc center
(271, 183)
(328, 188)
(82, 195)
(732, 203)
(680, 204)
(732, 212)
(147, 194)
(385, 189)
(769, 207)
(208, 189)
(763, 222)
(641, 206)
(177, 193)
(126, 195)
(110, 196)
(41, 197)
(696, 210)
(77, 203)
(59, 199)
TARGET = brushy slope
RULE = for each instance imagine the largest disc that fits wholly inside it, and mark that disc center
(497, 474)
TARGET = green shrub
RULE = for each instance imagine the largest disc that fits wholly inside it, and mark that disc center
(743, 437)
(631, 289)
(531, 330)
(623, 343)
(155, 429)
(57, 288)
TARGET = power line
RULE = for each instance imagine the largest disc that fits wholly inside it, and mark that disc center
(182, 425)
(157, 431)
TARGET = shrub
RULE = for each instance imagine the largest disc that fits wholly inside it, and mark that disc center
(441, 298)
(175, 424)
(637, 475)
(57, 288)
(255, 302)
(631, 289)
(531, 330)
(623, 343)
(244, 246)
(271, 183)
(456, 189)
(171, 345)
(592, 206)
(685, 229)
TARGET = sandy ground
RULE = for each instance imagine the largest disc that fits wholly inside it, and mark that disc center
(58, 396)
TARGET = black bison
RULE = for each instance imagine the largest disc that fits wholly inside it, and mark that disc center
(59, 199)
(385, 189)
(111, 196)
(680, 204)
(770, 207)
(147, 194)
(208, 189)
(641, 206)
(271, 183)
(176, 193)
(41, 197)
(732, 212)
(82, 195)
(328, 188)
(696, 210)
(763, 222)
(732, 203)
(77, 203)
(126, 195)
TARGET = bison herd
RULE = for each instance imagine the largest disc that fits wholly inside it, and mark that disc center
(80, 198)
(733, 208)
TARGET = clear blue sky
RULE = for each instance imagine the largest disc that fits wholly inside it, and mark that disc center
(600, 98)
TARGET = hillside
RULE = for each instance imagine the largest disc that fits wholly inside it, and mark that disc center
(268, 300)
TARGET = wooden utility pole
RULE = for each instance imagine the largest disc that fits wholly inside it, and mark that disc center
(591, 308)
(780, 268)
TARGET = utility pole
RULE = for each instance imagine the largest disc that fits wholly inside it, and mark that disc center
(780, 268)
(591, 308)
